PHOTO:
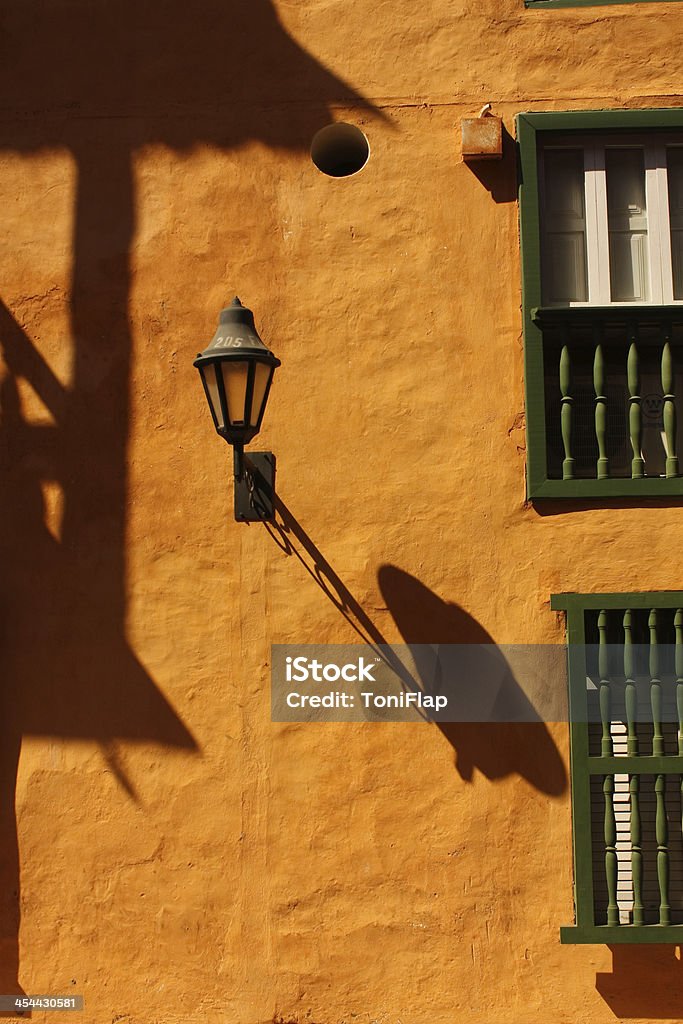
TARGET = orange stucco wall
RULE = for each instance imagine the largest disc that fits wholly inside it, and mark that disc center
(178, 857)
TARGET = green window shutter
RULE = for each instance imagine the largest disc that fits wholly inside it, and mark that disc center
(625, 654)
(600, 380)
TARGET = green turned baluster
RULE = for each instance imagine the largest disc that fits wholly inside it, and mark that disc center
(631, 700)
(636, 851)
(662, 833)
(610, 851)
(566, 413)
(678, 668)
(606, 747)
(661, 829)
(630, 695)
(655, 688)
(678, 663)
(600, 409)
(669, 408)
(634, 413)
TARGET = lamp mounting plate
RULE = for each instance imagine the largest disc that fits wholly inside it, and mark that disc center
(255, 492)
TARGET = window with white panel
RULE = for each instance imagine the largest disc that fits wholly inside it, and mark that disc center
(612, 220)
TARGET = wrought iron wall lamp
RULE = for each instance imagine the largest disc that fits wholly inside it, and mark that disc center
(237, 370)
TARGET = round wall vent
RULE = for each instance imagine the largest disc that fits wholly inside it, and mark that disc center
(340, 150)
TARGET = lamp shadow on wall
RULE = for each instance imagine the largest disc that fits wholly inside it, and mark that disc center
(123, 77)
(293, 540)
(646, 982)
(495, 748)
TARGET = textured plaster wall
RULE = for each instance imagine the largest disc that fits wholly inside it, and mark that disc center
(180, 858)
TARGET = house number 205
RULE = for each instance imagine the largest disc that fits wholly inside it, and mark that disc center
(229, 342)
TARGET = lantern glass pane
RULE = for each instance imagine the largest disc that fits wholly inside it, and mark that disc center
(209, 375)
(262, 372)
(235, 376)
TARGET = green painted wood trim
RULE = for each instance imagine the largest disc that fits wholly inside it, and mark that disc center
(583, 766)
(544, 4)
(669, 415)
(625, 933)
(678, 668)
(636, 838)
(529, 229)
(663, 866)
(649, 118)
(655, 685)
(572, 602)
(630, 700)
(662, 765)
(615, 487)
(566, 416)
(530, 239)
(580, 776)
(527, 127)
(635, 415)
(555, 315)
(610, 840)
(602, 466)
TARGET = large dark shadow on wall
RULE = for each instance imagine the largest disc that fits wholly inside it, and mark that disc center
(496, 749)
(646, 983)
(67, 668)
(102, 80)
(220, 72)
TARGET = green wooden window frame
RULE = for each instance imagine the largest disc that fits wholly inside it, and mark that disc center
(590, 758)
(529, 125)
(543, 4)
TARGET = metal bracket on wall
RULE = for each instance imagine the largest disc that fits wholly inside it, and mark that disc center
(254, 493)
